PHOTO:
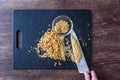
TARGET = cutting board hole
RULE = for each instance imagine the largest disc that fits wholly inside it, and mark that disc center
(19, 39)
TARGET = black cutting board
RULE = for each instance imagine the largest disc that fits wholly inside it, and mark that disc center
(30, 25)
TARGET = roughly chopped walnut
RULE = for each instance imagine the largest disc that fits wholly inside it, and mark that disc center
(61, 27)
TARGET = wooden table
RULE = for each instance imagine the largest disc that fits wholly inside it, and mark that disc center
(105, 39)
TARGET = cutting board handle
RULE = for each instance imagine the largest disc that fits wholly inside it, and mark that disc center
(19, 39)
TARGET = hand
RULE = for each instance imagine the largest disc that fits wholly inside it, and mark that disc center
(93, 76)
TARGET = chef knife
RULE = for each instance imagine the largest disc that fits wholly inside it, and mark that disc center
(82, 65)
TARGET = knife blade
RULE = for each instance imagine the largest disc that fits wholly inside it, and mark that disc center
(82, 65)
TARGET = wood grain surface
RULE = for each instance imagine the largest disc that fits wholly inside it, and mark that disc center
(105, 39)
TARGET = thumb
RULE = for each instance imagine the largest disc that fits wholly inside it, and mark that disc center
(94, 76)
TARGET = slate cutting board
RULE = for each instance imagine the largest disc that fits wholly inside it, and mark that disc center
(30, 25)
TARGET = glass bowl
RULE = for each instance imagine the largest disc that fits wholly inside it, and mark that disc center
(64, 18)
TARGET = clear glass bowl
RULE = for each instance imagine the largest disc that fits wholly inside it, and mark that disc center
(65, 18)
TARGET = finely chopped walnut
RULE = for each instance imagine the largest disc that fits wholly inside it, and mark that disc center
(76, 50)
(61, 27)
(53, 46)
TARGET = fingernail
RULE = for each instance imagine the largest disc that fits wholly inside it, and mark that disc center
(85, 73)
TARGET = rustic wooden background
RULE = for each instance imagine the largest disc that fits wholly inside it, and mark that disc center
(105, 39)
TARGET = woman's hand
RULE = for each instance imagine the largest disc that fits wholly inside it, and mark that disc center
(93, 76)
